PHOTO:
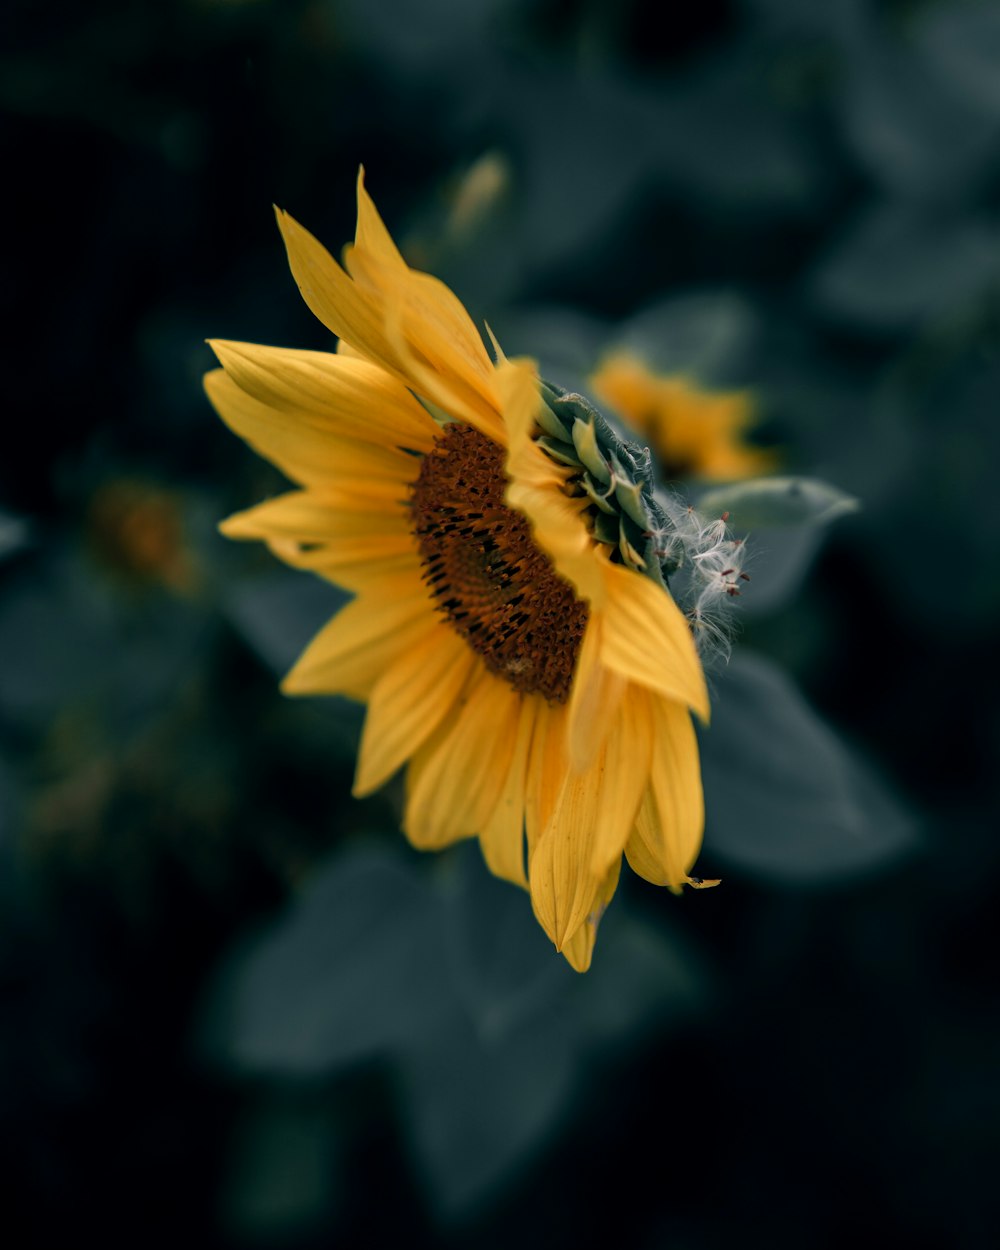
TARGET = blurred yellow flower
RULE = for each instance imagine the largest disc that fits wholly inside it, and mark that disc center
(135, 528)
(534, 681)
(692, 432)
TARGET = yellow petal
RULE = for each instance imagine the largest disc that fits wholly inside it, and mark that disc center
(628, 751)
(371, 234)
(350, 396)
(408, 323)
(350, 653)
(594, 698)
(647, 639)
(306, 453)
(579, 949)
(349, 313)
(502, 837)
(345, 349)
(353, 562)
(592, 818)
(687, 425)
(360, 543)
(309, 517)
(433, 342)
(668, 830)
(455, 780)
(367, 576)
(536, 487)
(408, 703)
(547, 764)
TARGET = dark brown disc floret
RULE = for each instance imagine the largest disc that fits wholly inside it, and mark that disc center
(487, 574)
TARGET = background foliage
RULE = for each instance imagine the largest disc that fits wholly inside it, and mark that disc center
(236, 1009)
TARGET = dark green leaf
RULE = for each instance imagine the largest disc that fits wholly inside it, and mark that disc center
(486, 1091)
(915, 134)
(785, 797)
(641, 978)
(504, 966)
(778, 560)
(353, 970)
(962, 41)
(480, 1107)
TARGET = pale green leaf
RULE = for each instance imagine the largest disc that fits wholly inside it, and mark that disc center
(777, 501)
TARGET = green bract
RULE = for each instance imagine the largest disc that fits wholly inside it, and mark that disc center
(617, 478)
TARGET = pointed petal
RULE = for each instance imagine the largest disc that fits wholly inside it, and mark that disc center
(362, 544)
(628, 758)
(408, 323)
(668, 830)
(547, 765)
(306, 453)
(348, 395)
(433, 341)
(371, 234)
(593, 700)
(349, 654)
(592, 819)
(502, 837)
(536, 487)
(579, 949)
(455, 780)
(352, 561)
(647, 640)
(408, 703)
(309, 517)
(346, 311)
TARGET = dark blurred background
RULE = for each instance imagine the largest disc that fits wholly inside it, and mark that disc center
(235, 1010)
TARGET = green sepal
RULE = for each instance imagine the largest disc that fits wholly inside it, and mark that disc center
(599, 498)
(629, 495)
(548, 417)
(607, 528)
(585, 442)
(615, 475)
(653, 564)
(561, 452)
(629, 554)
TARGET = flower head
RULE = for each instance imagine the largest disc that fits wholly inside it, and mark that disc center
(693, 432)
(511, 632)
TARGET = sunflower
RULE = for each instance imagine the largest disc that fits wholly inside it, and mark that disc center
(511, 629)
(693, 432)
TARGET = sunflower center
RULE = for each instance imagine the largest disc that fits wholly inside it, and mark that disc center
(487, 574)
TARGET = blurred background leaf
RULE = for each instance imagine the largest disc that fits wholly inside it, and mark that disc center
(352, 973)
(962, 42)
(777, 501)
(898, 266)
(785, 798)
(446, 976)
(14, 534)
